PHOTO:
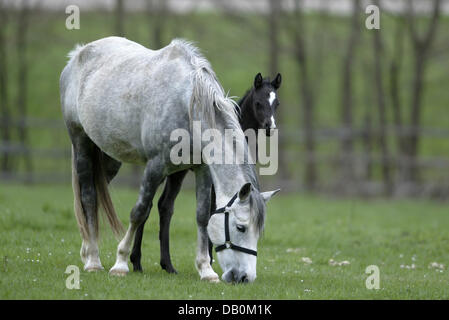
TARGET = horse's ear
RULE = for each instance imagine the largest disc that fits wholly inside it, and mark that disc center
(276, 83)
(268, 194)
(245, 192)
(258, 81)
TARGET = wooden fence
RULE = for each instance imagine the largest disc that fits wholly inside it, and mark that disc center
(51, 163)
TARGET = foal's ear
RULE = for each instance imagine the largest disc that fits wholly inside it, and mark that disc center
(245, 192)
(268, 194)
(258, 81)
(276, 83)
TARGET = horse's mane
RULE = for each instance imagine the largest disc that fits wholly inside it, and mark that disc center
(208, 94)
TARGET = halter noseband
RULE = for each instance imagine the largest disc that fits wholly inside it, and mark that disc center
(228, 244)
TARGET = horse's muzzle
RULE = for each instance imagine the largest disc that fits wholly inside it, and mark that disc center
(235, 276)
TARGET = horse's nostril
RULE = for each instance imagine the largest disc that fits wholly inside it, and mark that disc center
(243, 278)
(233, 275)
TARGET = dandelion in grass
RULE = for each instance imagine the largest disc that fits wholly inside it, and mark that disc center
(436, 265)
(306, 260)
(333, 263)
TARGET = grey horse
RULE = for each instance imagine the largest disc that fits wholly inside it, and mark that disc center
(256, 109)
(121, 102)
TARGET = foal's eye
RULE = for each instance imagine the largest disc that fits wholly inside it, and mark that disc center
(241, 228)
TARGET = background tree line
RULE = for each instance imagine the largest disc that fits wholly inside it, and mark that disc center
(357, 111)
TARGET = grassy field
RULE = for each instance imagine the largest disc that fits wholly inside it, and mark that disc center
(39, 239)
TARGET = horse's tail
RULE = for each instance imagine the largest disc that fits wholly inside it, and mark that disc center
(208, 93)
(103, 197)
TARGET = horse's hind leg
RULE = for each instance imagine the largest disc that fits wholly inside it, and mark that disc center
(111, 167)
(153, 176)
(86, 206)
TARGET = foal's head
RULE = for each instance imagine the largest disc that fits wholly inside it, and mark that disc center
(235, 231)
(260, 104)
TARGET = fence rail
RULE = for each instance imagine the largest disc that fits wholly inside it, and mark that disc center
(436, 167)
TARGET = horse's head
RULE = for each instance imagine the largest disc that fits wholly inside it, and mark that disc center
(265, 102)
(235, 230)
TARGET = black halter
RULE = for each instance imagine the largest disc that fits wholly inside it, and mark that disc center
(228, 244)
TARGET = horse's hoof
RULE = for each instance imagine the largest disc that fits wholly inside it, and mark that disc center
(118, 272)
(137, 267)
(171, 270)
(168, 268)
(93, 265)
(211, 279)
(93, 268)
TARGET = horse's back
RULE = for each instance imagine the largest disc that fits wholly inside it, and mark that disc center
(120, 92)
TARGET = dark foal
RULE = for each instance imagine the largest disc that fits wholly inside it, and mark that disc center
(257, 109)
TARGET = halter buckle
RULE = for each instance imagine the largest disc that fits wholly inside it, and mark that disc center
(228, 244)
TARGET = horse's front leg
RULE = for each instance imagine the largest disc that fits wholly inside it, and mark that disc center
(166, 205)
(203, 199)
(152, 177)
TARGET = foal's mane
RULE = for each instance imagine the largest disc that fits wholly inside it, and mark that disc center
(208, 95)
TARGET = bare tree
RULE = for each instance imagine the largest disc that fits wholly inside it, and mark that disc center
(395, 69)
(421, 45)
(347, 140)
(21, 38)
(378, 50)
(157, 12)
(273, 24)
(367, 134)
(4, 107)
(273, 35)
(298, 31)
(119, 18)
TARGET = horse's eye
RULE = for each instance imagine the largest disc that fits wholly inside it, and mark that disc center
(241, 228)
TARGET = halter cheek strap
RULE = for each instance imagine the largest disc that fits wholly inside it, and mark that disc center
(228, 244)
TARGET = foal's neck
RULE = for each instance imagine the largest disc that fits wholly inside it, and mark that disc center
(247, 120)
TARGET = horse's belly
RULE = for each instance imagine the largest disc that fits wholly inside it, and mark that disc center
(118, 138)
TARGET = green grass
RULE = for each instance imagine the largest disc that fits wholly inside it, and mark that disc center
(39, 239)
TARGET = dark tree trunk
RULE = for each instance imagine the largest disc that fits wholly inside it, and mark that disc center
(22, 28)
(4, 107)
(396, 103)
(380, 97)
(273, 67)
(119, 18)
(367, 137)
(421, 49)
(308, 99)
(273, 35)
(347, 139)
(157, 13)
